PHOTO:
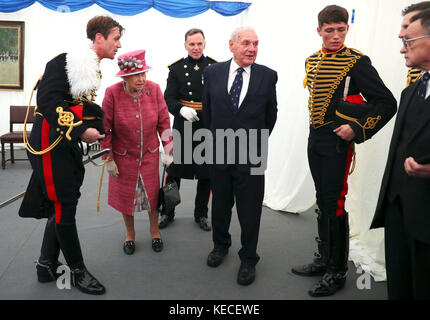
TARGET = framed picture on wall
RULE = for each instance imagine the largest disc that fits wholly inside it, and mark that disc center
(11, 55)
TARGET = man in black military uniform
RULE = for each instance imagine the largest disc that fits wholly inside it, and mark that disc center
(64, 97)
(333, 74)
(183, 97)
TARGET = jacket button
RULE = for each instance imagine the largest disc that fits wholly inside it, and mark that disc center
(190, 93)
(137, 160)
(138, 146)
(189, 83)
(137, 131)
(137, 116)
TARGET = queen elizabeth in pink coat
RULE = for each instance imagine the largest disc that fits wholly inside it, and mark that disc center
(136, 116)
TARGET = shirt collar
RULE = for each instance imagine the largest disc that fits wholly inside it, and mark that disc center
(234, 66)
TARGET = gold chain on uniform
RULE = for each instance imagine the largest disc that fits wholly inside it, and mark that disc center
(65, 118)
(324, 73)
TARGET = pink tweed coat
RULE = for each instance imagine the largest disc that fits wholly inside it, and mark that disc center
(132, 130)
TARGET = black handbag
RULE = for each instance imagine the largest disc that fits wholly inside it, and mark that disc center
(168, 195)
(35, 204)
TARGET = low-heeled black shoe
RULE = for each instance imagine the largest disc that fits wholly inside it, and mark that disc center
(246, 274)
(203, 224)
(47, 271)
(157, 244)
(165, 220)
(85, 282)
(328, 285)
(129, 247)
(216, 257)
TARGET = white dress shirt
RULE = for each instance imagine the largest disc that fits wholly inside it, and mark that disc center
(246, 75)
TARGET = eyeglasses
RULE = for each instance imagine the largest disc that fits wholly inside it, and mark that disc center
(406, 42)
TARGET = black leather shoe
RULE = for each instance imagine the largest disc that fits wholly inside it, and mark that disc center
(216, 257)
(164, 221)
(129, 247)
(246, 274)
(157, 244)
(310, 270)
(47, 271)
(85, 282)
(203, 224)
(328, 285)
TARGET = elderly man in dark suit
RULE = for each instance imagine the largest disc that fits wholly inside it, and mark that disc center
(404, 204)
(239, 99)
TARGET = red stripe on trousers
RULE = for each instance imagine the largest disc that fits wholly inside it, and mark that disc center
(210, 192)
(47, 171)
(341, 201)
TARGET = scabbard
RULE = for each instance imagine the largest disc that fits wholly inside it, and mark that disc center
(87, 160)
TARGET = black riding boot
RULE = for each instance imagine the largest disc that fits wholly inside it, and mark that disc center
(48, 262)
(69, 242)
(335, 277)
(319, 266)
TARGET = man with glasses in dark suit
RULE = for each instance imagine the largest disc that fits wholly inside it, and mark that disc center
(404, 205)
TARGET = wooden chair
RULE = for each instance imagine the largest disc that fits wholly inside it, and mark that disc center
(17, 116)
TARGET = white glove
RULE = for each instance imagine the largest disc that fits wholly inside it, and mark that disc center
(189, 113)
(166, 159)
(112, 169)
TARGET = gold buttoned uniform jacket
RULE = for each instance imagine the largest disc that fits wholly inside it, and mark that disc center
(326, 73)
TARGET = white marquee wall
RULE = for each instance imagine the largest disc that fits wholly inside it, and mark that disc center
(287, 36)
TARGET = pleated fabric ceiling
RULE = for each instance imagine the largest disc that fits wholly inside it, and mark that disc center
(172, 8)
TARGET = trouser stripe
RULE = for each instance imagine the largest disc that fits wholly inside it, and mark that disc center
(341, 201)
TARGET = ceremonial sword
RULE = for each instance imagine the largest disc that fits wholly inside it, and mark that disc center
(89, 159)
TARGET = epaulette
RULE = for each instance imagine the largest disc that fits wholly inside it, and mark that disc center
(211, 59)
(175, 62)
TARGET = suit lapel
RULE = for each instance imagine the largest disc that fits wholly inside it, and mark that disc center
(254, 82)
(424, 119)
(405, 104)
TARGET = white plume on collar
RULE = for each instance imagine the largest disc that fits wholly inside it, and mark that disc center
(82, 66)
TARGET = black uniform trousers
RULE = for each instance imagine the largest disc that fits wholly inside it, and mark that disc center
(202, 197)
(329, 160)
(248, 191)
(60, 171)
(407, 259)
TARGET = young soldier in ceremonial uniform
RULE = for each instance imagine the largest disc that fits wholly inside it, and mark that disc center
(183, 97)
(334, 127)
(64, 97)
(413, 73)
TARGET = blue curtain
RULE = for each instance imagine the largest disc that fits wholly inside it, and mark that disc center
(172, 8)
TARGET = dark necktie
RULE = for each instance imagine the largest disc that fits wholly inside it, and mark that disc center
(236, 88)
(422, 89)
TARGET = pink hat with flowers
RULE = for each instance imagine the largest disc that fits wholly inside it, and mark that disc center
(131, 63)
